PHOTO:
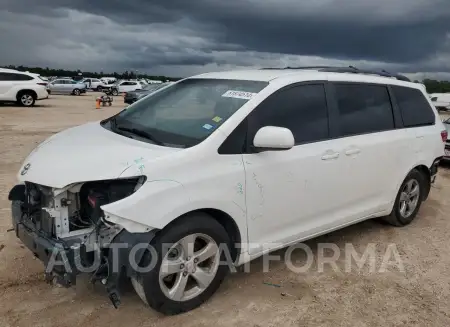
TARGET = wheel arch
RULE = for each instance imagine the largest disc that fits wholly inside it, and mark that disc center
(19, 93)
(425, 171)
(224, 219)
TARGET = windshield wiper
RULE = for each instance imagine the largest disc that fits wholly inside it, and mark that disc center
(139, 132)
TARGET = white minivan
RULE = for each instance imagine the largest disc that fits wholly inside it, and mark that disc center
(225, 166)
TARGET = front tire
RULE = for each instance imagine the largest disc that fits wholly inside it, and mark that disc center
(76, 92)
(188, 271)
(99, 89)
(408, 200)
(115, 92)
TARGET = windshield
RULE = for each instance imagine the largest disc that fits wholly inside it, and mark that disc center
(187, 112)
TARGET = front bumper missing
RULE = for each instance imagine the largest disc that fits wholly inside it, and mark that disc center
(64, 261)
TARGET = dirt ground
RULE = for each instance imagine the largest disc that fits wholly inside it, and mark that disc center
(418, 296)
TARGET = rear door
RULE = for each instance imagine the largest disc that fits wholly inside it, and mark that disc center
(9, 80)
(57, 86)
(5, 85)
(372, 145)
(131, 86)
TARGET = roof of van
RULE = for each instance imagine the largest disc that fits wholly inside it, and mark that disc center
(269, 75)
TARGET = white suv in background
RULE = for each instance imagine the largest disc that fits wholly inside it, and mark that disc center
(126, 86)
(94, 84)
(226, 166)
(22, 88)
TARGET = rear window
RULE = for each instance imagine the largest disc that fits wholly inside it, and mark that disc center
(414, 107)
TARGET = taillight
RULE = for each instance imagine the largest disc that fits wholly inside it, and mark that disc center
(444, 135)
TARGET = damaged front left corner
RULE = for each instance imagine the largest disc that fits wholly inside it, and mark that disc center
(67, 230)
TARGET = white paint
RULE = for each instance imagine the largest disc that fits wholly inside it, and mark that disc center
(288, 196)
(272, 137)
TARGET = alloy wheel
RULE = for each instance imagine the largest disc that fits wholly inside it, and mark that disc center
(26, 99)
(189, 267)
(409, 198)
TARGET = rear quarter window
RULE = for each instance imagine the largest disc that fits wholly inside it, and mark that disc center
(414, 107)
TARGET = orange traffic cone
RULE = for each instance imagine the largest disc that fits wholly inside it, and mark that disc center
(97, 103)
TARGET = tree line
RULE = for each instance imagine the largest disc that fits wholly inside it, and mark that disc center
(72, 73)
(434, 86)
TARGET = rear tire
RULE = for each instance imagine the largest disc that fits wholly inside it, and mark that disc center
(408, 201)
(26, 98)
(165, 292)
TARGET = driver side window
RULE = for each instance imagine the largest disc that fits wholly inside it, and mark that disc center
(301, 108)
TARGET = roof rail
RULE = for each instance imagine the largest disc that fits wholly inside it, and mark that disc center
(350, 69)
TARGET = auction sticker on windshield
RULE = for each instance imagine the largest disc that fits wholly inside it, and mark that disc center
(238, 94)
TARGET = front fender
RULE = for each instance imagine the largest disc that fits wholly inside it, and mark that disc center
(159, 202)
(148, 207)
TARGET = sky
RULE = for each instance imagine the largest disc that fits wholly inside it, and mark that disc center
(182, 38)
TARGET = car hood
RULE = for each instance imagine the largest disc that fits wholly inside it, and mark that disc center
(86, 153)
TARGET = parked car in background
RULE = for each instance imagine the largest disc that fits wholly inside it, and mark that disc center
(22, 88)
(151, 81)
(446, 123)
(441, 101)
(66, 86)
(142, 81)
(124, 86)
(93, 84)
(133, 96)
(108, 80)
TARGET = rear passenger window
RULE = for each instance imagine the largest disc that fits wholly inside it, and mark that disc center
(414, 108)
(14, 77)
(363, 109)
(302, 109)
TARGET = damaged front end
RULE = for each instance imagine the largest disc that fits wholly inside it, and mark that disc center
(68, 231)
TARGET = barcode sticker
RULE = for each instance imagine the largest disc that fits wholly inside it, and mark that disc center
(239, 94)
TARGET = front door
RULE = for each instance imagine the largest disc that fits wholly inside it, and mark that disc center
(292, 194)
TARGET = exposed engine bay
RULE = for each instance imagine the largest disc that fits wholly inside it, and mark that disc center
(75, 214)
(71, 222)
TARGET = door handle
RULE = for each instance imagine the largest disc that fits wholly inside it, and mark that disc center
(351, 152)
(330, 156)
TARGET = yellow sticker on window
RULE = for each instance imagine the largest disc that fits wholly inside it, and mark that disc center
(217, 119)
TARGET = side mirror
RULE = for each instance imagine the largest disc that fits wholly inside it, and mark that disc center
(272, 138)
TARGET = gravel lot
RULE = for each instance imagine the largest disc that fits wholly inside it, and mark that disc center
(418, 296)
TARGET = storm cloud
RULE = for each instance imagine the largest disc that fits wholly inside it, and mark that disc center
(181, 38)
